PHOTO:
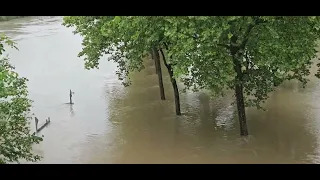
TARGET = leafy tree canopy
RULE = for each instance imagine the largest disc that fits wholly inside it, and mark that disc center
(248, 54)
(269, 49)
(15, 138)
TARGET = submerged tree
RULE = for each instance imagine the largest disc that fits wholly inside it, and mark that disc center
(248, 54)
(15, 138)
(128, 40)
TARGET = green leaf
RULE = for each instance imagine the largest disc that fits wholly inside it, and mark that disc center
(117, 19)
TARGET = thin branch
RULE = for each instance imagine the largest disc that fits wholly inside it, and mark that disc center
(247, 60)
(257, 21)
(164, 60)
(166, 45)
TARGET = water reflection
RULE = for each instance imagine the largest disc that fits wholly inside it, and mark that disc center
(71, 110)
(208, 131)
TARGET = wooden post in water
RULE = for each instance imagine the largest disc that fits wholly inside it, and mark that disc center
(70, 97)
(44, 125)
(36, 121)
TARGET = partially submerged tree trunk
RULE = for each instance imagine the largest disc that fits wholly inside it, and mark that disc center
(174, 84)
(236, 51)
(240, 101)
(153, 59)
(239, 88)
(159, 72)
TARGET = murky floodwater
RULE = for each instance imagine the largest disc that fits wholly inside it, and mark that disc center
(112, 124)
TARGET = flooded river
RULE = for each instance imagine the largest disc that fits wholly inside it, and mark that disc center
(112, 124)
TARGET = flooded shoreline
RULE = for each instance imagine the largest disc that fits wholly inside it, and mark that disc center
(112, 124)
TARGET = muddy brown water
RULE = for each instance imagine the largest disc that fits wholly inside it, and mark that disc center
(112, 124)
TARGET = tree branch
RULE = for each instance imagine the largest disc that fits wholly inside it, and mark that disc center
(165, 45)
(164, 60)
(247, 60)
(167, 48)
(257, 21)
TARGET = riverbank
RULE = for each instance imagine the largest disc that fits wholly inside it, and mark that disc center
(7, 18)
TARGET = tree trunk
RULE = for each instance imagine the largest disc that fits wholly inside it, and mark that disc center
(153, 59)
(174, 84)
(241, 110)
(238, 87)
(240, 98)
(158, 69)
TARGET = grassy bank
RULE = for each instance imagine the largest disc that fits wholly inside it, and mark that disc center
(7, 18)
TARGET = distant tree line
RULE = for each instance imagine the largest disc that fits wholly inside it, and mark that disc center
(6, 18)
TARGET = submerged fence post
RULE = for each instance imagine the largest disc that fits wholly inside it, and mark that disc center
(36, 121)
(70, 97)
(44, 125)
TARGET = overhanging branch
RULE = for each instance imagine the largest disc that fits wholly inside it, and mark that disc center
(257, 21)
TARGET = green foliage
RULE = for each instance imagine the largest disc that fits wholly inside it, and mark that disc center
(127, 39)
(15, 138)
(206, 49)
(96, 44)
(269, 50)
